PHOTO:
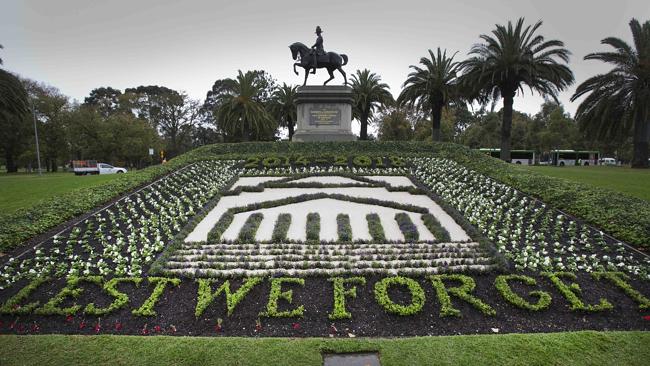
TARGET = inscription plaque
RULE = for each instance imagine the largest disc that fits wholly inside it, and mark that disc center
(324, 114)
(320, 115)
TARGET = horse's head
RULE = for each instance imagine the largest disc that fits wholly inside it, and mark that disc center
(297, 49)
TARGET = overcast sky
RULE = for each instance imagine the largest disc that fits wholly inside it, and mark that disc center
(78, 45)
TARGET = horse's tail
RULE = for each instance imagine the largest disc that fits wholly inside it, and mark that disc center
(345, 59)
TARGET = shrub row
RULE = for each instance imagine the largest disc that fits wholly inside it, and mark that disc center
(281, 228)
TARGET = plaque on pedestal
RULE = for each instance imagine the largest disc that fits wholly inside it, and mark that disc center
(324, 114)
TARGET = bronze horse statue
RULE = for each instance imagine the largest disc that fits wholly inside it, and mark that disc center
(331, 61)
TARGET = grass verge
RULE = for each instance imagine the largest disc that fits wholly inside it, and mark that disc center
(24, 190)
(570, 348)
(632, 182)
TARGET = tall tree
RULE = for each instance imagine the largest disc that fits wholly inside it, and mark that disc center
(370, 95)
(105, 99)
(509, 59)
(50, 107)
(13, 107)
(221, 90)
(619, 101)
(241, 110)
(396, 124)
(147, 102)
(283, 106)
(120, 138)
(177, 116)
(432, 87)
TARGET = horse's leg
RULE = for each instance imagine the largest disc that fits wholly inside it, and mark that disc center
(306, 75)
(331, 72)
(294, 67)
(345, 77)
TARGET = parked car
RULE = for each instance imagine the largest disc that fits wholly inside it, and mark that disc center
(84, 167)
(608, 161)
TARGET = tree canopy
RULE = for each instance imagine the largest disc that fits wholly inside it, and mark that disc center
(370, 95)
(618, 101)
(432, 87)
(512, 58)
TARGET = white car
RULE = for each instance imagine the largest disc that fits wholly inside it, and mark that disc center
(109, 169)
(85, 167)
(607, 161)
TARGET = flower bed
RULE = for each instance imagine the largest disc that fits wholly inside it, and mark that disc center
(126, 237)
(530, 234)
(384, 246)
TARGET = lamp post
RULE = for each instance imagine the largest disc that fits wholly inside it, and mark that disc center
(38, 150)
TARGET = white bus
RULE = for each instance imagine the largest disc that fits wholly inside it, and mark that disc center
(521, 157)
(573, 157)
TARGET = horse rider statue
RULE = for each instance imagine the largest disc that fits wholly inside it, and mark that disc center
(317, 48)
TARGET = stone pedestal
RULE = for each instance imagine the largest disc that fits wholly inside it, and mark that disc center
(324, 114)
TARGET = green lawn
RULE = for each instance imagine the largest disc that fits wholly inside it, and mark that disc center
(22, 190)
(633, 182)
(571, 348)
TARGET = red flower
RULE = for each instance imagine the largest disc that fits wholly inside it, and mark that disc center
(295, 326)
(647, 317)
(157, 329)
(98, 327)
(333, 329)
(35, 328)
(20, 328)
(218, 327)
(144, 330)
(69, 318)
(172, 328)
(82, 325)
(258, 325)
(12, 325)
(118, 326)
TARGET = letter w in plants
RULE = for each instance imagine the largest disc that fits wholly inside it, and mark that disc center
(206, 296)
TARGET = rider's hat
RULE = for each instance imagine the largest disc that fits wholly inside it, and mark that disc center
(318, 30)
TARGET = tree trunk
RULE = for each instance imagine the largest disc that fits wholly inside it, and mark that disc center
(640, 142)
(245, 134)
(9, 160)
(506, 126)
(290, 126)
(436, 115)
(364, 128)
(55, 165)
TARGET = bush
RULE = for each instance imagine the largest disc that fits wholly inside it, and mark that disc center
(375, 228)
(313, 227)
(281, 228)
(407, 227)
(343, 227)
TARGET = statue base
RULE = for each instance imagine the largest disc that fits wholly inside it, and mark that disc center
(324, 114)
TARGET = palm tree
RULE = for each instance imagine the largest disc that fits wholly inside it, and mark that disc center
(432, 87)
(13, 97)
(511, 58)
(13, 106)
(283, 106)
(619, 100)
(370, 95)
(240, 110)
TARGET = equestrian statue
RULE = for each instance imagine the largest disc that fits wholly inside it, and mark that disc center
(316, 58)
